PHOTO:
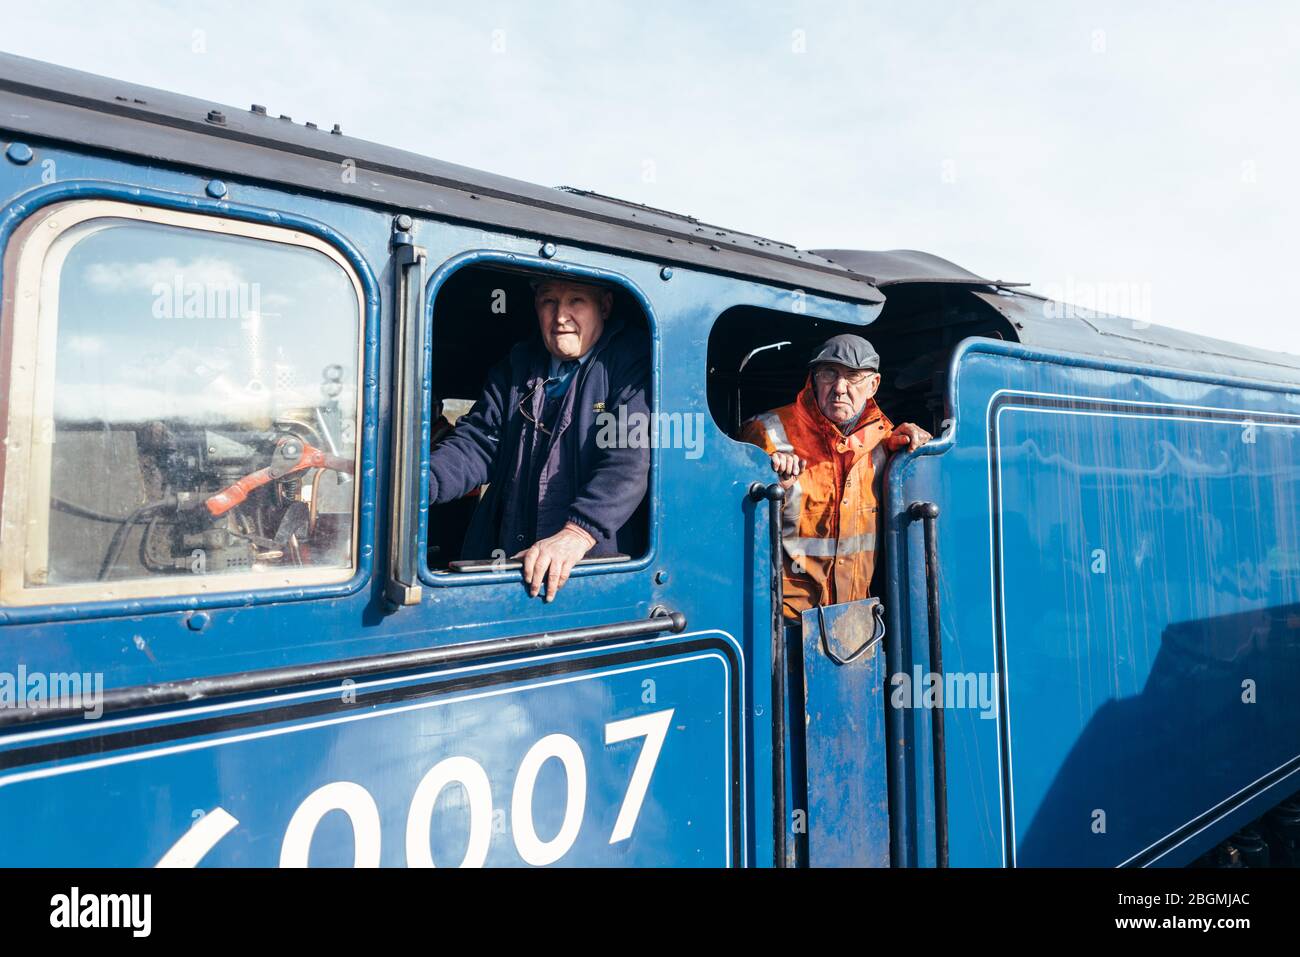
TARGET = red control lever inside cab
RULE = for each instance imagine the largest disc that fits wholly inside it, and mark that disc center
(290, 455)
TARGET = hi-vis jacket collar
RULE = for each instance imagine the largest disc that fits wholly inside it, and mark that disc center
(808, 401)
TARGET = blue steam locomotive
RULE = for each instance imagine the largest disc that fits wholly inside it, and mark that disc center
(235, 631)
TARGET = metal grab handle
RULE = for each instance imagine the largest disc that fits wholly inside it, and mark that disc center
(877, 615)
(193, 690)
(403, 586)
(928, 513)
(775, 496)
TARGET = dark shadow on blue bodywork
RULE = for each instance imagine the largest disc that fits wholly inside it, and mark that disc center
(1187, 726)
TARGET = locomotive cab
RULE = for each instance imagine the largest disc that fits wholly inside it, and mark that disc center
(758, 358)
(758, 361)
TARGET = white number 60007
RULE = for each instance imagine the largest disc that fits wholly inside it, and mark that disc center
(363, 813)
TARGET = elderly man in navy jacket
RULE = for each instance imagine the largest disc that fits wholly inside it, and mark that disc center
(555, 494)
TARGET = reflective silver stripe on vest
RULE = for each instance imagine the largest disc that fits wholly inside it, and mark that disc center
(827, 547)
(775, 432)
(790, 509)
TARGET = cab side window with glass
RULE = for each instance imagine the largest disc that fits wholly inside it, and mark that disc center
(182, 406)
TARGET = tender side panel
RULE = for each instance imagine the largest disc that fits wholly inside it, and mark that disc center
(1146, 558)
(1120, 602)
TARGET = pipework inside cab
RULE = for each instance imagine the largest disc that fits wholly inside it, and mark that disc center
(758, 358)
(479, 314)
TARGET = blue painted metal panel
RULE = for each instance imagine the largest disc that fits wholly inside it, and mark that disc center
(665, 791)
(1122, 564)
(844, 727)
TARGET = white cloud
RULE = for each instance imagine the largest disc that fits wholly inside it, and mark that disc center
(85, 345)
(255, 403)
(1115, 165)
(209, 272)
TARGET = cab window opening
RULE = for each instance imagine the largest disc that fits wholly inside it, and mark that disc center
(758, 358)
(830, 429)
(486, 320)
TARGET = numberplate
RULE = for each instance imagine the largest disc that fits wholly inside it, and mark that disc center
(625, 757)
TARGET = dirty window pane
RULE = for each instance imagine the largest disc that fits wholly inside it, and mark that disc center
(199, 395)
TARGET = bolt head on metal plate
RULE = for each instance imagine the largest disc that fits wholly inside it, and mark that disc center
(19, 153)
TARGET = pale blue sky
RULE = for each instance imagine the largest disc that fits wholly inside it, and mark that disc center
(1136, 151)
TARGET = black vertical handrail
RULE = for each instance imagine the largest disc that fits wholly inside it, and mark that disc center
(775, 496)
(403, 585)
(928, 513)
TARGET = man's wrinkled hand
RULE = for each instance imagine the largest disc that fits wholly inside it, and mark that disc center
(549, 561)
(787, 467)
(908, 436)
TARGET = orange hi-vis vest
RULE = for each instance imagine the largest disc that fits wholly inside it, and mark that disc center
(830, 514)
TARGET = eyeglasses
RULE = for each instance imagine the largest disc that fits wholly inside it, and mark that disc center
(527, 401)
(830, 376)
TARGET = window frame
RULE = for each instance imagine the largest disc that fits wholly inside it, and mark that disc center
(25, 268)
(516, 262)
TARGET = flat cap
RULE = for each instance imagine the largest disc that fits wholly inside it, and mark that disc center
(848, 350)
(538, 281)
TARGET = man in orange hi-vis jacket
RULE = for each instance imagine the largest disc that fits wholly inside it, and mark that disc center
(828, 448)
